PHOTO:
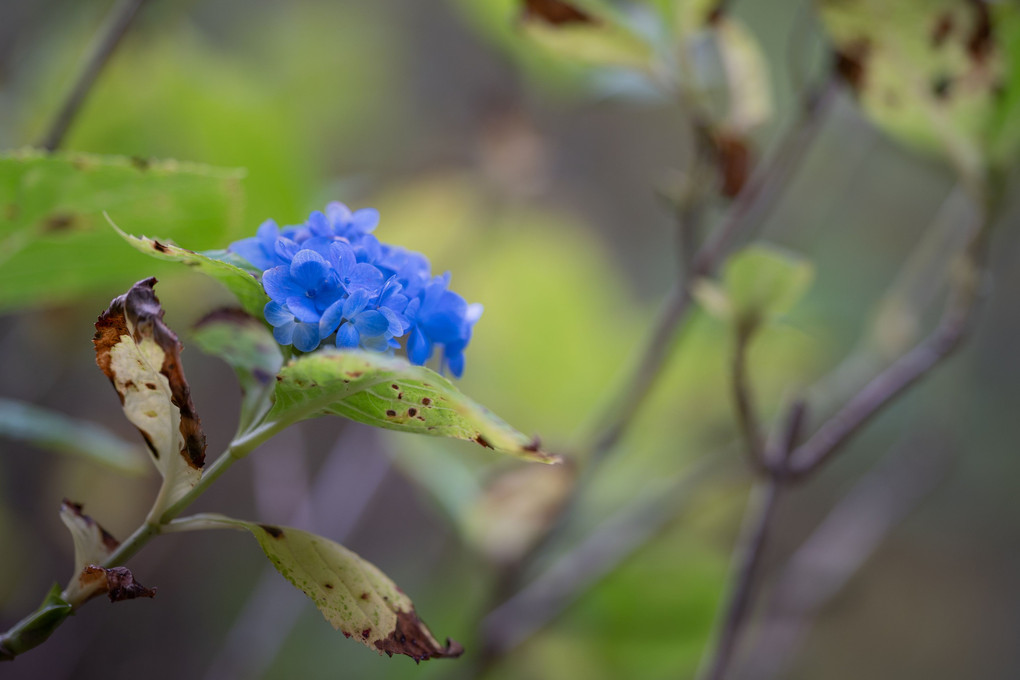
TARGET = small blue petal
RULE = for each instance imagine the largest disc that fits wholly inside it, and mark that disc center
(331, 318)
(309, 269)
(455, 362)
(279, 285)
(347, 337)
(285, 334)
(319, 225)
(364, 275)
(304, 308)
(370, 322)
(277, 315)
(306, 336)
(365, 220)
(419, 348)
(355, 303)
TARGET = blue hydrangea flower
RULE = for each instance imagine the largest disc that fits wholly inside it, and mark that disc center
(330, 276)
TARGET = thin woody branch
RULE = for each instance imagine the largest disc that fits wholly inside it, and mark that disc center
(103, 45)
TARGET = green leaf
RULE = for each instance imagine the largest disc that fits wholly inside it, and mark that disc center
(35, 628)
(56, 432)
(54, 245)
(937, 75)
(389, 392)
(760, 283)
(353, 595)
(244, 343)
(241, 282)
(141, 357)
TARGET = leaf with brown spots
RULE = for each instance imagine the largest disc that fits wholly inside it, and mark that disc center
(54, 244)
(556, 12)
(578, 35)
(353, 595)
(389, 392)
(939, 75)
(141, 357)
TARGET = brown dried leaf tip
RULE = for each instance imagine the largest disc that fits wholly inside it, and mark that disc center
(138, 315)
(411, 638)
(556, 12)
(117, 582)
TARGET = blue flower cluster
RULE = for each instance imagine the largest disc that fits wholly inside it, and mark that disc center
(331, 275)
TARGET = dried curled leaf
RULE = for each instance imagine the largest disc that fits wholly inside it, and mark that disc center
(92, 543)
(353, 595)
(117, 582)
(141, 357)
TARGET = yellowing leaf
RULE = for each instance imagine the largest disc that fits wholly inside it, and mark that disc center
(239, 281)
(141, 357)
(353, 595)
(389, 392)
(938, 75)
(574, 33)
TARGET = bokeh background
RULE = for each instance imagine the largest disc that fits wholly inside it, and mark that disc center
(541, 188)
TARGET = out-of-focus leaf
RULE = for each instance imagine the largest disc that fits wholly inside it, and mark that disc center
(516, 508)
(63, 434)
(141, 357)
(239, 281)
(577, 34)
(760, 283)
(353, 595)
(389, 392)
(54, 244)
(242, 341)
(938, 75)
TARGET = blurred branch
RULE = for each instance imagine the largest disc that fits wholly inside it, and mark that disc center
(839, 547)
(344, 486)
(793, 464)
(746, 213)
(751, 548)
(584, 565)
(743, 400)
(912, 366)
(116, 24)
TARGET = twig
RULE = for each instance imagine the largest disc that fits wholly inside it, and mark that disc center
(839, 547)
(806, 458)
(751, 547)
(103, 44)
(344, 486)
(743, 401)
(758, 518)
(913, 365)
(584, 565)
(748, 210)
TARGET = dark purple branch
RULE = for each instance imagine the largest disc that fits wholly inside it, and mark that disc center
(103, 45)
